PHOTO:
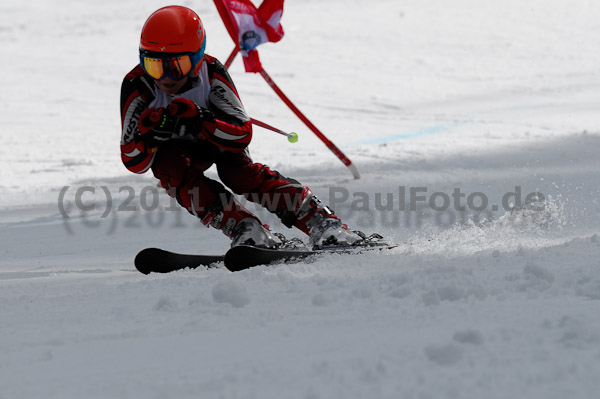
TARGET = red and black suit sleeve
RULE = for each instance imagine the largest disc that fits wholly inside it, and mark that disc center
(136, 93)
(230, 128)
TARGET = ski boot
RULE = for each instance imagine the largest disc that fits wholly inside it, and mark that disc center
(329, 231)
(243, 227)
(323, 227)
(249, 231)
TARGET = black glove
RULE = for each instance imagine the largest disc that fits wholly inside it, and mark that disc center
(181, 117)
(187, 117)
(152, 124)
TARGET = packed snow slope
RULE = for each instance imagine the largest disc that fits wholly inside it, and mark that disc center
(467, 109)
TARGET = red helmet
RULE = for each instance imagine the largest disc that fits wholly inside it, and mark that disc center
(173, 29)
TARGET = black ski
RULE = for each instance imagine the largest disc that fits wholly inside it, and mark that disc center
(245, 256)
(155, 260)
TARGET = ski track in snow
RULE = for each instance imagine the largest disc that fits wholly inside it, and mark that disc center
(488, 98)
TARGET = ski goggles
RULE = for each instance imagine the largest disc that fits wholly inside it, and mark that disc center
(174, 66)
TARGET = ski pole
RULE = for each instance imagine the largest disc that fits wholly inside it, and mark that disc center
(332, 147)
(292, 136)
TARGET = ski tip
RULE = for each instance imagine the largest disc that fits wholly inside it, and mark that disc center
(239, 258)
(143, 259)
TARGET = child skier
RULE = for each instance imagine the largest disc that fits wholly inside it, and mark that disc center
(181, 113)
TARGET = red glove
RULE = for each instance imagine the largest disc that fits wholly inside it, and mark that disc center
(181, 117)
(149, 124)
(184, 108)
(190, 116)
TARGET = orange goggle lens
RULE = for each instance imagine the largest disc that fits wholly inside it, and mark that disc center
(176, 68)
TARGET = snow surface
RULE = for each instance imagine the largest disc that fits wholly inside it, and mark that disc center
(481, 96)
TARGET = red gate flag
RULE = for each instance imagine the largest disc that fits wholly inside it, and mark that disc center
(249, 26)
